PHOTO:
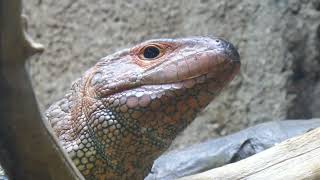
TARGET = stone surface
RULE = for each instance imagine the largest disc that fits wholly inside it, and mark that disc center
(277, 40)
(229, 149)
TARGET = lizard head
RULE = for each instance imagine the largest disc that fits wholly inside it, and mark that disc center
(135, 102)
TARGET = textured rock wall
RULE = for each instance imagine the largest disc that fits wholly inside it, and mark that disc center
(278, 42)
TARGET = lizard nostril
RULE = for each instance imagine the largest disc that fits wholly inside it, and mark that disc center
(219, 43)
(227, 48)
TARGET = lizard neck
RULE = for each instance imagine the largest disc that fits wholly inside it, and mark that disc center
(121, 138)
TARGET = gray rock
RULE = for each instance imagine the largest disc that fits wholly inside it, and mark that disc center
(218, 152)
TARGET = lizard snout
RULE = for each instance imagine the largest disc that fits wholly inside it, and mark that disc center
(228, 49)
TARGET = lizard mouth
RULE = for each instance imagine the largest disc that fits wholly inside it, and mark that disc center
(219, 61)
(219, 67)
(191, 67)
(215, 80)
(220, 76)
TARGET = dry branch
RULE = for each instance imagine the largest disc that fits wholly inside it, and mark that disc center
(27, 149)
(296, 158)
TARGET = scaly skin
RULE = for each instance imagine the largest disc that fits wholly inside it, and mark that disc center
(127, 109)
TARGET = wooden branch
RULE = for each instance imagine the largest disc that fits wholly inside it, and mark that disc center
(296, 158)
(28, 151)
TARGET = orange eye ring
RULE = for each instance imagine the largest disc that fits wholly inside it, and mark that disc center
(151, 52)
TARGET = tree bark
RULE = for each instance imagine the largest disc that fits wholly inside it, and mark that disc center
(28, 150)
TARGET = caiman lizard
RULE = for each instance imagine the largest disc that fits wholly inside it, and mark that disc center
(128, 108)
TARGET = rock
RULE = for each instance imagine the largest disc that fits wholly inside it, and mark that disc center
(218, 152)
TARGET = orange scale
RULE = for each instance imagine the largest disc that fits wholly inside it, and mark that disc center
(144, 101)
(192, 102)
(132, 102)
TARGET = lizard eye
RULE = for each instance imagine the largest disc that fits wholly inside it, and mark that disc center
(151, 52)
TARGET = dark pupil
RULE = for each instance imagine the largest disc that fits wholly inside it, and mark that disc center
(151, 52)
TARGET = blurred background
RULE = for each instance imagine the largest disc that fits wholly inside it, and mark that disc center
(278, 40)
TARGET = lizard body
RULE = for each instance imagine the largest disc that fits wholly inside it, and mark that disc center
(127, 109)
